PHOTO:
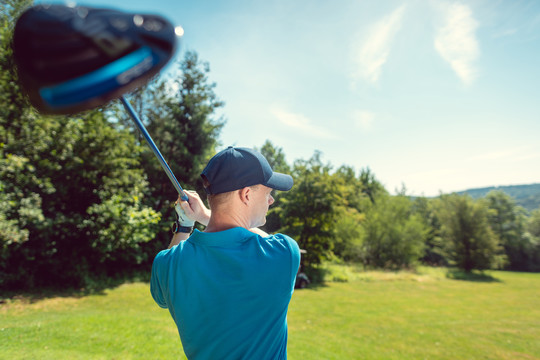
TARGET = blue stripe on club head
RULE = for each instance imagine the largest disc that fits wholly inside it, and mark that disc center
(101, 81)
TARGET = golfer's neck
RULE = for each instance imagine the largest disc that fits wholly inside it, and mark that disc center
(221, 221)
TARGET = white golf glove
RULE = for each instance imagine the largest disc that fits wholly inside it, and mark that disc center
(183, 220)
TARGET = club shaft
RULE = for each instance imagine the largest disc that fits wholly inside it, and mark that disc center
(154, 148)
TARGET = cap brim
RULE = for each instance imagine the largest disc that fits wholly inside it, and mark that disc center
(281, 182)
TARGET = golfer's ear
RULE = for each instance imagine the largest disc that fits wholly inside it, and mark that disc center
(245, 194)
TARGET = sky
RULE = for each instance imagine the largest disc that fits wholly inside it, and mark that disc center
(431, 96)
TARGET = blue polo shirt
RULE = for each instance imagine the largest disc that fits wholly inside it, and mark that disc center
(228, 293)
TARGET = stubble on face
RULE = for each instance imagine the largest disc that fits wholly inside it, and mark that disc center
(263, 199)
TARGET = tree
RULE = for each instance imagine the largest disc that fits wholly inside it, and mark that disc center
(358, 190)
(348, 234)
(80, 178)
(532, 245)
(14, 110)
(310, 209)
(393, 235)
(276, 159)
(185, 129)
(70, 187)
(17, 208)
(370, 185)
(533, 228)
(469, 242)
(508, 222)
(433, 249)
(533, 225)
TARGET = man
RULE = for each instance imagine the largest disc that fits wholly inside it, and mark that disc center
(228, 288)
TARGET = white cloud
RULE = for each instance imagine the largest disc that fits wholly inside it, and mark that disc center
(363, 119)
(456, 42)
(372, 53)
(302, 124)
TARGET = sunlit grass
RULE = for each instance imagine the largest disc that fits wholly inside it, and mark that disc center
(418, 315)
(122, 323)
(370, 315)
(350, 273)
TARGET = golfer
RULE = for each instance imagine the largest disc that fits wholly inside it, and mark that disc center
(228, 288)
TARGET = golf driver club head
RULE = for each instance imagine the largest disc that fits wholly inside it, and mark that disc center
(74, 58)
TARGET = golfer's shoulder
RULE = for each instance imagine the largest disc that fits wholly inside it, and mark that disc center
(281, 238)
(161, 259)
(285, 240)
(165, 256)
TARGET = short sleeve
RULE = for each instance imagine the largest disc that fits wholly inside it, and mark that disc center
(294, 252)
(295, 258)
(158, 279)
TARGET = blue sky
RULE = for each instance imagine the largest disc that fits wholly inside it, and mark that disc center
(439, 96)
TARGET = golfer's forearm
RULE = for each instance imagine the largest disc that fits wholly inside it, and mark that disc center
(177, 238)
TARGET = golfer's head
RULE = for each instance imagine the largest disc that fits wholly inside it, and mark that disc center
(236, 168)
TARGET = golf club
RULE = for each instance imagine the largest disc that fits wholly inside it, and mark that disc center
(74, 58)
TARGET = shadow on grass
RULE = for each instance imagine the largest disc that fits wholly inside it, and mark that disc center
(313, 287)
(93, 287)
(455, 274)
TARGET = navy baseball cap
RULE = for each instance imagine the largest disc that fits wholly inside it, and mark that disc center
(236, 168)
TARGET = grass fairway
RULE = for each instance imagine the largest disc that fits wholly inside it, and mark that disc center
(373, 316)
(426, 316)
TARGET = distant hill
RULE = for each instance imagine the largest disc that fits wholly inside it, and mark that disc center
(527, 196)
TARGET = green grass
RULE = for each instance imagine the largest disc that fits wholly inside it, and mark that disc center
(122, 323)
(366, 315)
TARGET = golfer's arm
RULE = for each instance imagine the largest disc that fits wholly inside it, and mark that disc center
(177, 238)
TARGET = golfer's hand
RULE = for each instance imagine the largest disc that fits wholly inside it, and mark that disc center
(183, 219)
(193, 209)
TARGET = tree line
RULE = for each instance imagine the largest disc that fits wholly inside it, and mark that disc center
(82, 197)
(527, 196)
(351, 217)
